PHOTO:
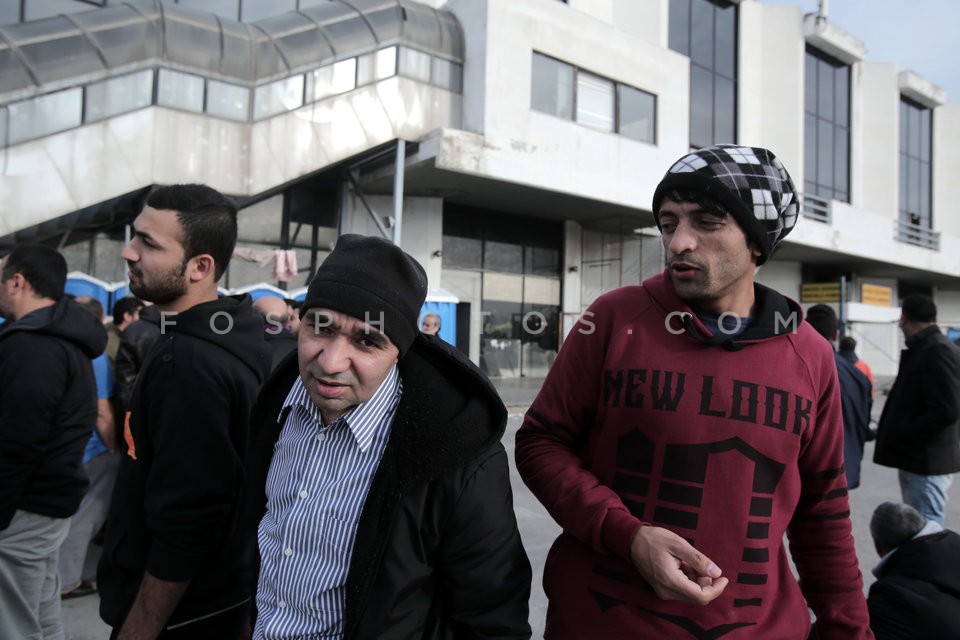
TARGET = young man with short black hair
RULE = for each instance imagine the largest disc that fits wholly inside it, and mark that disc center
(173, 562)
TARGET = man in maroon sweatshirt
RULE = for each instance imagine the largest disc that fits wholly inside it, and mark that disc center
(687, 426)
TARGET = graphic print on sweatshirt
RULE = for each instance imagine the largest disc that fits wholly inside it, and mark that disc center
(671, 484)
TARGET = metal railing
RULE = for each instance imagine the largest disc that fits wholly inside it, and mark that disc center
(916, 235)
(816, 208)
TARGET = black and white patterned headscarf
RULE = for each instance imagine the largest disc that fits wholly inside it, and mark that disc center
(750, 182)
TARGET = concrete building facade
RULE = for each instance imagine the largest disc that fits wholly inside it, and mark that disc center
(512, 146)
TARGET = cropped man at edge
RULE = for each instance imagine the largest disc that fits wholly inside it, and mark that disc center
(687, 425)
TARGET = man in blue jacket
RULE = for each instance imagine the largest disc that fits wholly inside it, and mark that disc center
(172, 563)
(856, 394)
(48, 405)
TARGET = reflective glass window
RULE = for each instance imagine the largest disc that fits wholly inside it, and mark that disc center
(9, 13)
(227, 100)
(706, 32)
(414, 64)
(826, 128)
(223, 8)
(332, 79)
(253, 10)
(45, 115)
(595, 101)
(118, 95)
(448, 75)
(552, 86)
(638, 111)
(916, 163)
(278, 97)
(376, 66)
(180, 90)
(38, 9)
(4, 125)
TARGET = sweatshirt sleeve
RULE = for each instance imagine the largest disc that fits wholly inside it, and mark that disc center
(194, 481)
(820, 532)
(33, 377)
(554, 433)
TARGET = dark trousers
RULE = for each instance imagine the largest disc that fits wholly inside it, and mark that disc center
(228, 625)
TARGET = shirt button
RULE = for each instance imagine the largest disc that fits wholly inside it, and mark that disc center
(304, 494)
(281, 604)
(288, 551)
(321, 437)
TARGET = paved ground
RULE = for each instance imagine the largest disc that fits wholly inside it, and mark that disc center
(538, 529)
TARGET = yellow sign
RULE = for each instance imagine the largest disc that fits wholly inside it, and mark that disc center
(821, 292)
(877, 295)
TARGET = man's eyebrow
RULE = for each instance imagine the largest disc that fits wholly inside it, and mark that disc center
(144, 235)
(370, 333)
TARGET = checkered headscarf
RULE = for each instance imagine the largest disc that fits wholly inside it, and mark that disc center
(750, 182)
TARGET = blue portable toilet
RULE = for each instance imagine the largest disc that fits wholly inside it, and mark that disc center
(80, 284)
(260, 290)
(444, 304)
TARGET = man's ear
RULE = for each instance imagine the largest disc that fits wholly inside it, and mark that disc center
(200, 267)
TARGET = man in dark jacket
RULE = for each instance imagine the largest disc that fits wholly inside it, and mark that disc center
(919, 430)
(48, 405)
(135, 342)
(273, 312)
(173, 563)
(380, 486)
(856, 394)
(917, 592)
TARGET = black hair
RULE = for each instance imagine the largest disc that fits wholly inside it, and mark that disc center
(699, 198)
(847, 343)
(208, 218)
(125, 305)
(824, 319)
(44, 268)
(917, 307)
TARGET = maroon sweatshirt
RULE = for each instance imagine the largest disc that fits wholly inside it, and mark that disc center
(646, 418)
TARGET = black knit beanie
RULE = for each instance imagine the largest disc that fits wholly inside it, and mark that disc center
(369, 278)
(750, 182)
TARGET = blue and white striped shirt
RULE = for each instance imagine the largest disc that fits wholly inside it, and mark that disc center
(318, 481)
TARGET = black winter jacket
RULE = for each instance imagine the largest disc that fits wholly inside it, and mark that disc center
(48, 405)
(178, 495)
(917, 592)
(919, 429)
(437, 551)
(135, 343)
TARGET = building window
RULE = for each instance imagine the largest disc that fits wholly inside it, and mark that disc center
(595, 103)
(637, 112)
(44, 115)
(278, 97)
(706, 32)
(552, 86)
(915, 164)
(332, 79)
(118, 95)
(375, 66)
(565, 91)
(826, 127)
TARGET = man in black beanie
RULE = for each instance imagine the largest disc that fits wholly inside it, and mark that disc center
(380, 489)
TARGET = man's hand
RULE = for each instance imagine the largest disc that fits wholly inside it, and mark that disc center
(674, 568)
